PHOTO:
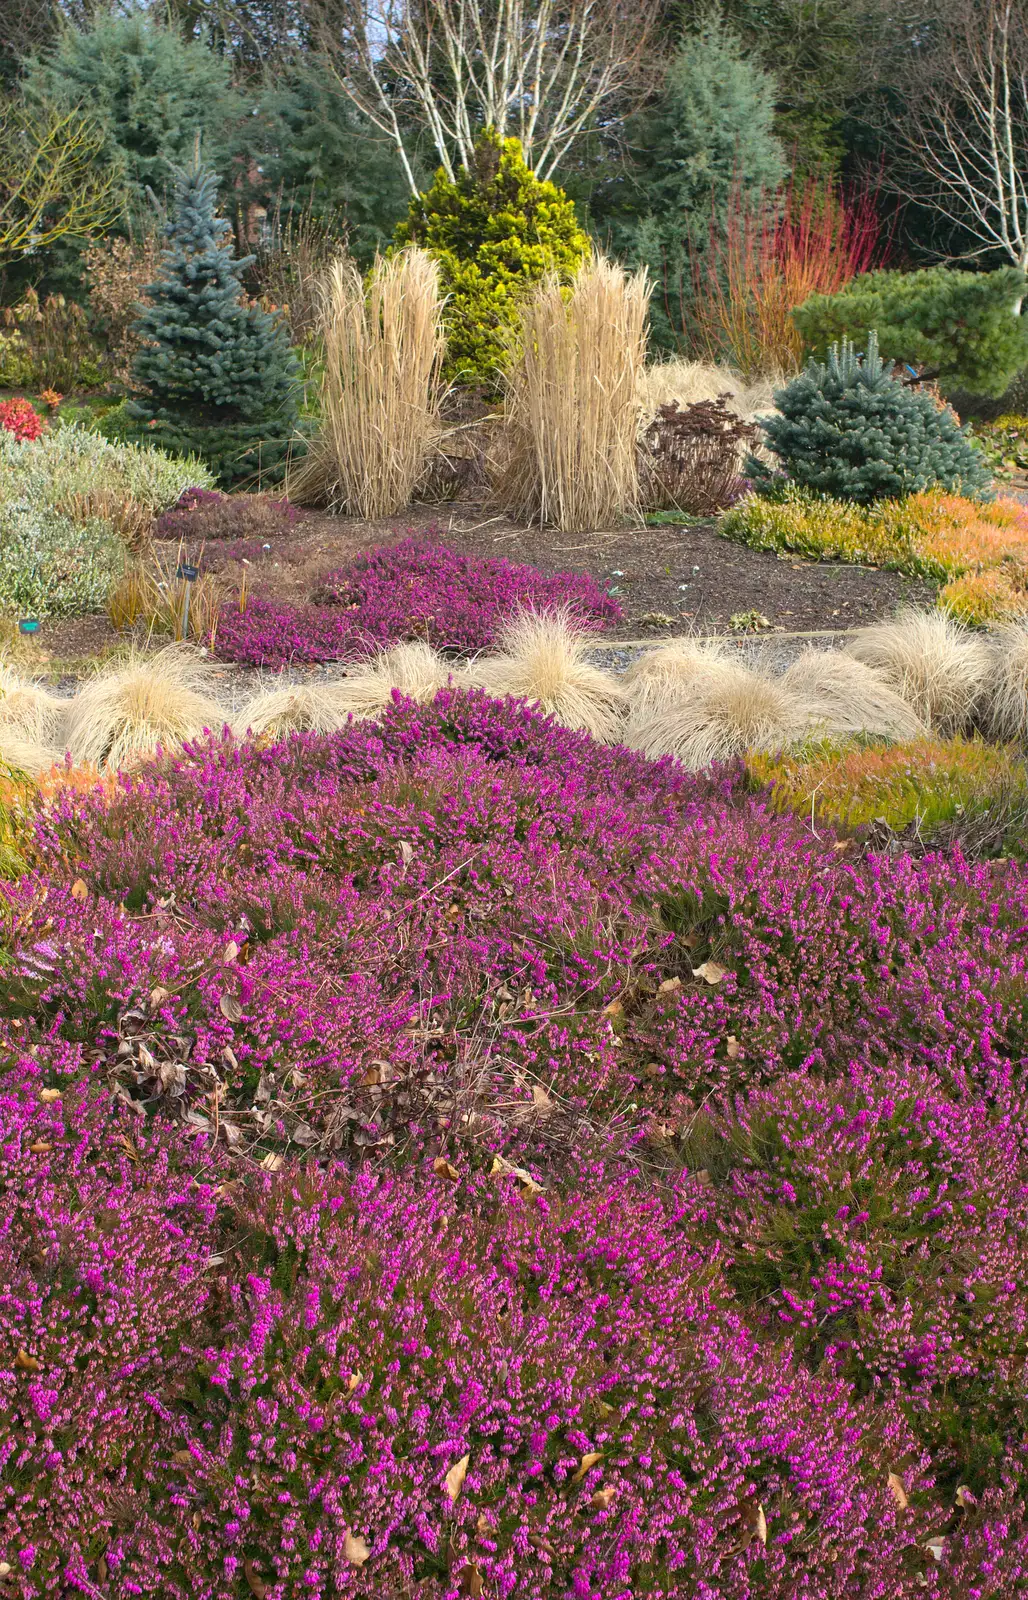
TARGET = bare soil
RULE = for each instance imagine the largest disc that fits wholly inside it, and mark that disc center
(667, 579)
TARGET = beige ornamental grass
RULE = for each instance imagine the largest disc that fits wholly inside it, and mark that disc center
(121, 717)
(573, 400)
(381, 389)
(541, 659)
(716, 713)
(940, 669)
(28, 711)
(841, 696)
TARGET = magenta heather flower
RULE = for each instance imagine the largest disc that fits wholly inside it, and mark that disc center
(450, 1157)
(409, 590)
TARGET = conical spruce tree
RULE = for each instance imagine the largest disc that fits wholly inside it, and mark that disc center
(214, 375)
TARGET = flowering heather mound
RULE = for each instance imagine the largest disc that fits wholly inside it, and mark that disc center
(453, 1158)
(409, 590)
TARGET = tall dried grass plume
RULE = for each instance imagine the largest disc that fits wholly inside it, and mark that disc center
(380, 394)
(941, 670)
(573, 400)
(122, 716)
(542, 659)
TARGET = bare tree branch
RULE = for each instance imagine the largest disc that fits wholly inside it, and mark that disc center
(53, 182)
(965, 134)
(543, 70)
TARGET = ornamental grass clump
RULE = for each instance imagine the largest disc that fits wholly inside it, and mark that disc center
(122, 716)
(851, 429)
(573, 401)
(941, 670)
(714, 715)
(840, 695)
(381, 388)
(542, 659)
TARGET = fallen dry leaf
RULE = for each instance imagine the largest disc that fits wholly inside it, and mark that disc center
(443, 1169)
(669, 986)
(271, 1162)
(733, 1047)
(256, 1583)
(471, 1580)
(229, 1007)
(355, 1550)
(937, 1547)
(48, 1096)
(964, 1496)
(760, 1525)
(896, 1489)
(158, 996)
(710, 972)
(182, 1458)
(600, 1501)
(615, 1009)
(40, 1147)
(354, 1381)
(5, 1568)
(540, 1099)
(539, 1543)
(79, 890)
(230, 952)
(453, 1483)
(26, 1363)
(588, 1460)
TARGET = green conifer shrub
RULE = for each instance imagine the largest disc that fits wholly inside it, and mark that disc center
(960, 326)
(494, 229)
(849, 428)
(214, 375)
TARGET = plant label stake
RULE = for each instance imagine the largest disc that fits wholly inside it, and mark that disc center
(29, 626)
(187, 575)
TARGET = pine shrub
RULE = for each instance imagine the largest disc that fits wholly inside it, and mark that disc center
(849, 428)
(214, 374)
(961, 327)
(493, 229)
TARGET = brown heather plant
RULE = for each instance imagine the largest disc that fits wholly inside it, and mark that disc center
(117, 272)
(381, 389)
(573, 406)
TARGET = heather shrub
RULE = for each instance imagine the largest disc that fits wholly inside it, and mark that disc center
(850, 429)
(494, 230)
(933, 535)
(451, 1155)
(200, 515)
(980, 599)
(926, 790)
(410, 590)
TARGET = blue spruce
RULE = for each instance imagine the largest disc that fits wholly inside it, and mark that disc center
(215, 375)
(850, 429)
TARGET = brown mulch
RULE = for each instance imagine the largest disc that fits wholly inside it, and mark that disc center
(667, 579)
(654, 570)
